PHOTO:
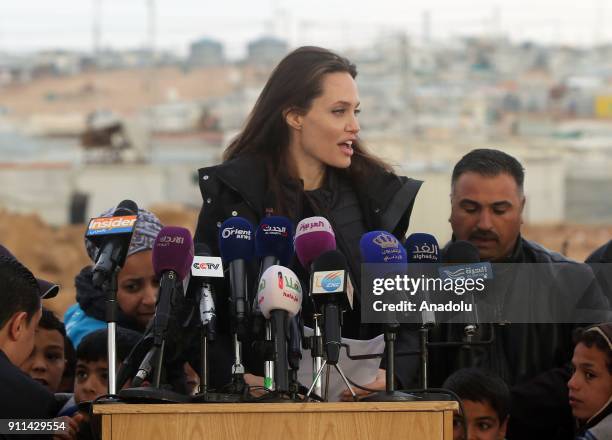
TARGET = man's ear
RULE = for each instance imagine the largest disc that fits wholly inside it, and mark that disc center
(523, 208)
(293, 118)
(17, 325)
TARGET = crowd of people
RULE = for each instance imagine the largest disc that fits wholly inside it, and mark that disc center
(300, 155)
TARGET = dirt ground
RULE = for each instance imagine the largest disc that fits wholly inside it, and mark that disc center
(58, 253)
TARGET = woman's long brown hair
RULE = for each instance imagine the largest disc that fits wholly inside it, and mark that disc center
(294, 84)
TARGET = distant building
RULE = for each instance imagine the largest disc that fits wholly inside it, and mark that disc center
(267, 51)
(205, 52)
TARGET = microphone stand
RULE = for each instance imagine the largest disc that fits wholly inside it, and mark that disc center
(316, 352)
(153, 361)
(390, 394)
(331, 360)
(109, 287)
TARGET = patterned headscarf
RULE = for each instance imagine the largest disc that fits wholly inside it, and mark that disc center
(145, 232)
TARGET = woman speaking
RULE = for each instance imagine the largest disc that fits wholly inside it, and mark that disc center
(300, 155)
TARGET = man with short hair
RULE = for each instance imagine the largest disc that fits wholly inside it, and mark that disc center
(20, 311)
(487, 203)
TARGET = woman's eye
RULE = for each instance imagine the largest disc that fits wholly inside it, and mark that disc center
(131, 287)
(338, 111)
(357, 111)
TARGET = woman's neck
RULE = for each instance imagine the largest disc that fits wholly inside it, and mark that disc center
(310, 170)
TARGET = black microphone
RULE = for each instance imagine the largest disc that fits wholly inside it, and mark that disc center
(204, 268)
(461, 255)
(331, 291)
(237, 247)
(423, 248)
(112, 236)
(274, 245)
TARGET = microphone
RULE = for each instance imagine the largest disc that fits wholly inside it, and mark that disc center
(331, 291)
(313, 236)
(172, 258)
(204, 267)
(388, 257)
(382, 248)
(280, 298)
(112, 236)
(463, 255)
(237, 247)
(274, 242)
(424, 248)
(274, 245)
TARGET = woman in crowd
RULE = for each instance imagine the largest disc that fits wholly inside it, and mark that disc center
(137, 285)
(300, 155)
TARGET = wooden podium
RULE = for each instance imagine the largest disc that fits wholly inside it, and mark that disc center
(299, 421)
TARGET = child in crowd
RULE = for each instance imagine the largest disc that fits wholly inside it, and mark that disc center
(91, 374)
(47, 362)
(486, 402)
(590, 387)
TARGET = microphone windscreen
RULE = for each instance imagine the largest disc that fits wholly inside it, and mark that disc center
(274, 237)
(173, 250)
(279, 289)
(313, 236)
(462, 252)
(201, 249)
(382, 247)
(330, 260)
(422, 248)
(126, 207)
(236, 239)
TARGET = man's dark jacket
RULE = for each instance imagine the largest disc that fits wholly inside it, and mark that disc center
(532, 358)
(21, 397)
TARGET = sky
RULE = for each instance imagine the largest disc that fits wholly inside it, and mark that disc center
(30, 25)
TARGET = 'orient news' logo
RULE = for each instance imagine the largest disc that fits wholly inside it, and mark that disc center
(240, 234)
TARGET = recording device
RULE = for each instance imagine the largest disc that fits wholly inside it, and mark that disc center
(313, 237)
(236, 243)
(203, 269)
(423, 250)
(461, 256)
(172, 259)
(384, 250)
(280, 298)
(332, 294)
(274, 245)
(112, 236)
